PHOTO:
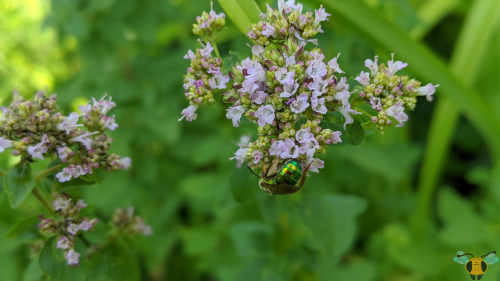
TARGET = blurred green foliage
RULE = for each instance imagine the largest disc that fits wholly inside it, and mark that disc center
(397, 207)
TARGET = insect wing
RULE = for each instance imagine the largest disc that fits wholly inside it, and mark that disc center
(461, 259)
(491, 258)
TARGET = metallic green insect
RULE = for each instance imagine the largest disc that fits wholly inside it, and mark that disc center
(282, 179)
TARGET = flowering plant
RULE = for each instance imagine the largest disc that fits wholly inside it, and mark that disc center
(78, 147)
(288, 90)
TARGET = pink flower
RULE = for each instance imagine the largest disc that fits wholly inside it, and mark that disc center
(289, 90)
(258, 97)
(395, 66)
(109, 122)
(69, 123)
(335, 137)
(268, 30)
(234, 113)
(265, 115)
(289, 6)
(363, 78)
(376, 104)
(72, 257)
(80, 204)
(289, 149)
(60, 203)
(65, 175)
(284, 76)
(320, 15)
(240, 154)
(257, 50)
(37, 150)
(316, 164)
(125, 163)
(397, 112)
(346, 111)
(87, 224)
(189, 113)
(372, 65)
(4, 143)
(316, 68)
(318, 105)
(300, 104)
(426, 91)
(190, 55)
(63, 242)
(257, 156)
(73, 229)
(334, 65)
(218, 81)
(85, 139)
(309, 148)
(206, 52)
(304, 136)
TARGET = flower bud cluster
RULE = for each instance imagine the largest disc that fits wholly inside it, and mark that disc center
(67, 225)
(282, 85)
(37, 129)
(389, 94)
(209, 24)
(203, 78)
(126, 222)
(287, 22)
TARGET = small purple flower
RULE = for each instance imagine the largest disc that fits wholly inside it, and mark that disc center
(206, 52)
(316, 164)
(85, 139)
(69, 124)
(257, 156)
(258, 97)
(37, 150)
(125, 163)
(395, 66)
(289, 90)
(63, 242)
(87, 224)
(302, 42)
(304, 136)
(277, 148)
(62, 153)
(289, 149)
(426, 91)
(363, 78)
(80, 204)
(289, 6)
(140, 227)
(234, 113)
(397, 112)
(257, 50)
(318, 105)
(109, 122)
(241, 154)
(73, 229)
(265, 115)
(284, 76)
(4, 143)
(268, 30)
(218, 81)
(72, 257)
(372, 65)
(334, 65)
(346, 111)
(300, 104)
(189, 113)
(316, 68)
(65, 175)
(318, 86)
(61, 203)
(320, 15)
(190, 55)
(335, 137)
(376, 104)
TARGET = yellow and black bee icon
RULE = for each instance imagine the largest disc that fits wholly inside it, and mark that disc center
(476, 266)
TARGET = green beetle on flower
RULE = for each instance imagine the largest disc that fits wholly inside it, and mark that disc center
(285, 179)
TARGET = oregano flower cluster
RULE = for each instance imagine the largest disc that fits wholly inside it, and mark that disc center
(289, 90)
(36, 129)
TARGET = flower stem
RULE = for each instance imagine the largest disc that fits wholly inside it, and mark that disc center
(42, 200)
(214, 45)
(42, 175)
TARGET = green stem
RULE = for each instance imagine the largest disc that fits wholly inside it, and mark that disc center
(214, 45)
(42, 200)
(42, 175)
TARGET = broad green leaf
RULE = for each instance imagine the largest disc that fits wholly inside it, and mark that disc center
(249, 237)
(24, 225)
(244, 185)
(53, 263)
(19, 183)
(33, 272)
(331, 222)
(243, 13)
(355, 133)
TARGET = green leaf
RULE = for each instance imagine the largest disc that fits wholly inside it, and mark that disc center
(28, 224)
(244, 185)
(53, 263)
(19, 183)
(243, 13)
(355, 133)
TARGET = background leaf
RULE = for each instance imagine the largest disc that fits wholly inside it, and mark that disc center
(19, 183)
